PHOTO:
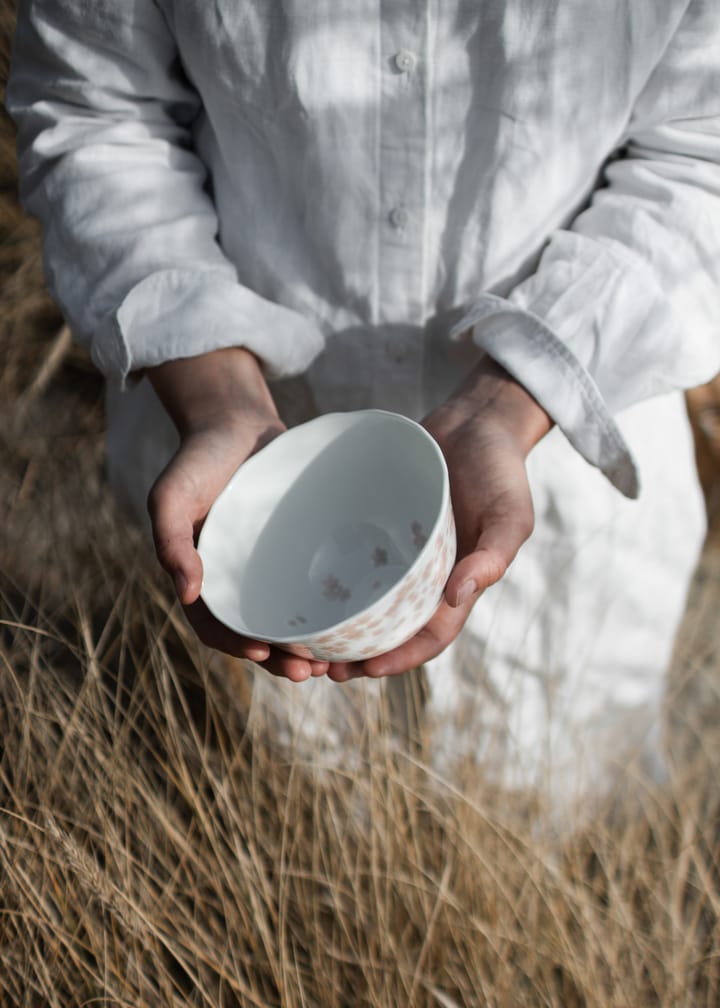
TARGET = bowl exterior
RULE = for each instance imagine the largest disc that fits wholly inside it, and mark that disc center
(401, 613)
(395, 616)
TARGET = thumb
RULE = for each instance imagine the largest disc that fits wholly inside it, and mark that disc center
(487, 563)
(173, 535)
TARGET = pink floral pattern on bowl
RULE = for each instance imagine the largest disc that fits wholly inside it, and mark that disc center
(342, 575)
(402, 611)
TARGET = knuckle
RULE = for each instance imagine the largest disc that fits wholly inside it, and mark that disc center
(496, 566)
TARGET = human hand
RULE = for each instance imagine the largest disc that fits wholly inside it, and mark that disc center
(224, 413)
(485, 430)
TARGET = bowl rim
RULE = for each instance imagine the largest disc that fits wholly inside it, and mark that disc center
(308, 638)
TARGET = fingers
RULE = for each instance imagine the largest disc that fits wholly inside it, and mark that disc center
(341, 672)
(178, 504)
(441, 631)
(506, 529)
(279, 663)
(173, 534)
(216, 635)
(434, 637)
(503, 535)
(286, 666)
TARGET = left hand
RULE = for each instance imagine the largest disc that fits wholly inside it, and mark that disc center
(485, 430)
(224, 413)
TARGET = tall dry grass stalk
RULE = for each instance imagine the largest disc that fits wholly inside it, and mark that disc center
(152, 853)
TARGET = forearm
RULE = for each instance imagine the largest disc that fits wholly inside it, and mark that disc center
(223, 387)
(490, 391)
(108, 164)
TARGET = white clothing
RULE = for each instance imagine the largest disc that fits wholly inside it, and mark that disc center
(365, 194)
(365, 176)
(558, 679)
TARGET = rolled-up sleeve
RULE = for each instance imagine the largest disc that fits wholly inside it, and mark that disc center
(625, 303)
(104, 116)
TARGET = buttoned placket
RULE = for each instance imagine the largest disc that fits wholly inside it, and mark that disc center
(402, 155)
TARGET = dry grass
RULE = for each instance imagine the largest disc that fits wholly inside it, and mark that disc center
(150, 854)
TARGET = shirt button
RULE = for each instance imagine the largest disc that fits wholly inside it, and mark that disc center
(405, 61)
(398, 218)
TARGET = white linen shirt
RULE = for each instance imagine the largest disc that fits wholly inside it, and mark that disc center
(348, 188)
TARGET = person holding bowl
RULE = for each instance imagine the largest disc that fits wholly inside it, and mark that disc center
(500, 219)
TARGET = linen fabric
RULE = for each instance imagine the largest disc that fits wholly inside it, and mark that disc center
(543, 179)
(368, 195)
(559, 680)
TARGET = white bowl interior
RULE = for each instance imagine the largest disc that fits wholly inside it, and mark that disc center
(320, 524)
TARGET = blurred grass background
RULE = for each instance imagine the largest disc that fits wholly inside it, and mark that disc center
(150, 854)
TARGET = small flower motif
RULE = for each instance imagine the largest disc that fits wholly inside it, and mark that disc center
(334, 591)
(419, 536)
(380, 557)
(396, 603)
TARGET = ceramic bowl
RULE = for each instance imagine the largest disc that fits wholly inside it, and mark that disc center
(335, 540)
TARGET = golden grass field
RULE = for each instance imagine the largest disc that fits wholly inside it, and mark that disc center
(152, 855)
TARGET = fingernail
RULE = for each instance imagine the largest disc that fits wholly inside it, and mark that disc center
(466, 592)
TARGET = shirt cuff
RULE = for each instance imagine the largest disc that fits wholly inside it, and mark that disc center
(531, 352)
(184, 313)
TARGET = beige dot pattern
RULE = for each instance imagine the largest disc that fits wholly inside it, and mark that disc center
(402, 612)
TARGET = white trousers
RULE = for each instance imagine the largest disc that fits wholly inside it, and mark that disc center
(559, 677)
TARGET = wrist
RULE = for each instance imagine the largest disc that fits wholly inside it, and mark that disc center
(489, 391)
(220, 387)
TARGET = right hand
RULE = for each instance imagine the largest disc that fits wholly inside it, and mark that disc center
(485, 430)
(224, 413)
